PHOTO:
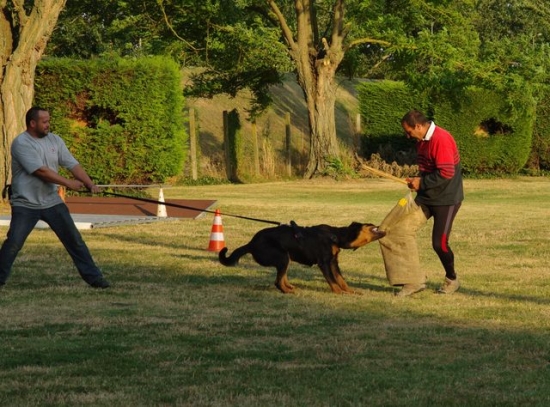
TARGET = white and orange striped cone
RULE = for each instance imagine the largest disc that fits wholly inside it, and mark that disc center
(216, 235)
(161, 209)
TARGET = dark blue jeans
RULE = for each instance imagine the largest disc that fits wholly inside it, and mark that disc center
(23, 221)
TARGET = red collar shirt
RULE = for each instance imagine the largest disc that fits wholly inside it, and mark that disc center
(440, 169)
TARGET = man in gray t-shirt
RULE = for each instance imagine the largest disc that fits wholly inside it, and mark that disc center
(29, 155)
(37, 155)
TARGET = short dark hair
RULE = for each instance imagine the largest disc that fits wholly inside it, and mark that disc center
(414, 117)
(32, 114)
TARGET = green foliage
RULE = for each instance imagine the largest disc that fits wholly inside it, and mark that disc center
(90, 28)
(515, 38)
(242, 53)
(121, 118)
(540, 152)
(492, 136)
(231, 39)
(439, 48)
(206, 180)
(442, 48)
(338, 169)
(431, 45)
(382, 105)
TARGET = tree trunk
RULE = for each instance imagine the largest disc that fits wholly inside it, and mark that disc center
(23, 39)
(316, 66)
(320, 95)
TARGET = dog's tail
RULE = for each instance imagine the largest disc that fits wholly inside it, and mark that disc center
(233, 259)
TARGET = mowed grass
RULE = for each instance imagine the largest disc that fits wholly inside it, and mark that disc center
(178, 328)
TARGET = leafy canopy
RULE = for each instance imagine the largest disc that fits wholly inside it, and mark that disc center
(436, 46)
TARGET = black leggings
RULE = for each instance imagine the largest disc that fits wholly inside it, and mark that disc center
(443, 223)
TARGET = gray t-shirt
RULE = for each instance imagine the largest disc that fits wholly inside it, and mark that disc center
(28, 155)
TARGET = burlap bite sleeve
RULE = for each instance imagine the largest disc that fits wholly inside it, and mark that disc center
(398, 247)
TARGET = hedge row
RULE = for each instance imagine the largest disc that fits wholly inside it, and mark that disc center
(121, 118)
(540, 152)
(493, 135)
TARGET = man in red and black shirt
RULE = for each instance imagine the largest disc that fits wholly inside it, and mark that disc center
(439, 187)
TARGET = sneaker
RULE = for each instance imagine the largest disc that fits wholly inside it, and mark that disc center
(449, 286)
(410, 289)
(100, 283)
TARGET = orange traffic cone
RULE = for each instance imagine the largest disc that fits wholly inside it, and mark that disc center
(216, 236)
(61, 191)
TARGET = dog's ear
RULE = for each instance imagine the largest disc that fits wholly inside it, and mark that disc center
(296, 229)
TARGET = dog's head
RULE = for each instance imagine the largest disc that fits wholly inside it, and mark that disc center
(361, 234)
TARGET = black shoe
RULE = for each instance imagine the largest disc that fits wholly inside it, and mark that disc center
(100, 283)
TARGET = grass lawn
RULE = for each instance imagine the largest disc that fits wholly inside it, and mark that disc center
(178, 328)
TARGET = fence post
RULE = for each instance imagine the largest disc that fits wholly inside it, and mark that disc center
(226, 145)
(357, 135)
(256, 148)
(288, 145)
(232, 143)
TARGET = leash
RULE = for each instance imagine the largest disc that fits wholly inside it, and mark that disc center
(188, 207)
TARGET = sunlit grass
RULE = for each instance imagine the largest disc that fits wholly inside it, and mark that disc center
(177, 328)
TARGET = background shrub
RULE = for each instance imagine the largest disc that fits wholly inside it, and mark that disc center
(493, 135)
(121, 118)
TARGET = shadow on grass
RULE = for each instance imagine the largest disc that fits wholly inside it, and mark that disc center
(433, 286)
(166, 241)
(506, 297)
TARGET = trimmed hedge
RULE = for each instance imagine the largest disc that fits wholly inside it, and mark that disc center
(540, 151)
(382, 105)
(121, 118)
(493, 137)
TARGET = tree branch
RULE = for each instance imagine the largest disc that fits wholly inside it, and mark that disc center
(171, 27)
(382, 60)
(338, 32)
(360, 41)
(287, 32)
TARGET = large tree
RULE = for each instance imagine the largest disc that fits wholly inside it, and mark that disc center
(239, 44)
(250, 43)
(432, 45)
(515, 45)
(25, 27)
(438, 47)
(317, 54)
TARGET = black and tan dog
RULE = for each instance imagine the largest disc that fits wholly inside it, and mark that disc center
(277, 246)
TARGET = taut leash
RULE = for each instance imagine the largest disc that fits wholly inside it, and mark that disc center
(188, 207)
